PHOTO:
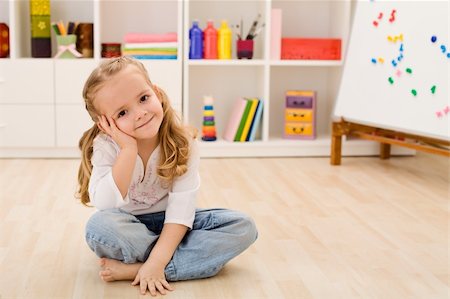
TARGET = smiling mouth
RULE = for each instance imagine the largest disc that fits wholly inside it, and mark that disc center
(145, 123)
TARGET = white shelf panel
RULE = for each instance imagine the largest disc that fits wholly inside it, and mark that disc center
(228, 62)
(306, 63)
(278, 147)
(222, 150)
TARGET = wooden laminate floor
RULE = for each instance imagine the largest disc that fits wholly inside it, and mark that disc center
(365, 229)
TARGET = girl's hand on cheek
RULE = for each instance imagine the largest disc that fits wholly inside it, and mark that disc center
(108, 126)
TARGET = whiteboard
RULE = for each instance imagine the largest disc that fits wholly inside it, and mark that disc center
(391, 55)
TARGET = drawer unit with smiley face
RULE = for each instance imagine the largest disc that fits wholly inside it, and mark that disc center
(300, 115)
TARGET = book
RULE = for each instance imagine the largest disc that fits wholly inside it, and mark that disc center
(255, 123)
(234, 120)
(243, 120)
(248, 122)
(154, 56)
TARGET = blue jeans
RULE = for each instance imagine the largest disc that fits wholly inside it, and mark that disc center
(217, 236)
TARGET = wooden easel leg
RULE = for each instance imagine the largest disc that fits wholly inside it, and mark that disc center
(385, 151)
(336, 145)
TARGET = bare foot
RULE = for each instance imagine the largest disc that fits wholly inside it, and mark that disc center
(116, 270)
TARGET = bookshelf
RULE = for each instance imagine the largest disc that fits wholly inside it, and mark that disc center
(52, 111)
(268, 79)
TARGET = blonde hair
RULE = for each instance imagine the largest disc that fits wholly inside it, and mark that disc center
(174, 138)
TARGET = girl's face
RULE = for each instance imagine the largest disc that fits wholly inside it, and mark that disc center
(131, 102)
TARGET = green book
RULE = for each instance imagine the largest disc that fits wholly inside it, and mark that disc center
(243, 120)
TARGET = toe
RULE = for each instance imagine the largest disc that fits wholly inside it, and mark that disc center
(105, 272)
(102, 262)
(107, 278)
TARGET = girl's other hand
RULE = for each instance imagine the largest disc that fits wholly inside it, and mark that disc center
(108, 126)
(151, 277)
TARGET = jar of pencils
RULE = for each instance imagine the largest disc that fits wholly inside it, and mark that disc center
(66, 46)
(244, 48)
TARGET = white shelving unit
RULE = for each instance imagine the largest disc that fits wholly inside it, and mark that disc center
(261, 77)
(42, 113)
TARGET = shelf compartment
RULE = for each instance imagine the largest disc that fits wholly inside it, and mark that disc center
(118, 18)
(34, 128)
(315, 19)
(26, 81)
(77, 11)
(240, 82)
(301, 78)
(232, 11)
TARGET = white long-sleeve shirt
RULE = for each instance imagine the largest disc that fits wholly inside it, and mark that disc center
(145, 194)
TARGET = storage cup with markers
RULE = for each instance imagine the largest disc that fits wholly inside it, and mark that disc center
(244, 48)
(67, 46)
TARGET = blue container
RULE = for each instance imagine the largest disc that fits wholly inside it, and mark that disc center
(196, 42)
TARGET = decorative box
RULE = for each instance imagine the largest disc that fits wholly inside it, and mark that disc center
(300, 115)
(85, 39)
(4, 40)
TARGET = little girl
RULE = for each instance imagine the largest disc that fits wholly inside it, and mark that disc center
(140, 169)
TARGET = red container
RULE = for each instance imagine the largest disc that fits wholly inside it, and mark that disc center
(4, 40)
(311, 48)
(110, 50)
(244, 48)
(210, 41)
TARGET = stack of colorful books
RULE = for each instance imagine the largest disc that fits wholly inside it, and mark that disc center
(244, 120)
(151, 46)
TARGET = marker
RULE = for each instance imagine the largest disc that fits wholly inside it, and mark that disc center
(251, 32)
(414, 92)
(258, 30)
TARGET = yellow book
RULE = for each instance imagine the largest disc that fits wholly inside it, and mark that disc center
(248, 122)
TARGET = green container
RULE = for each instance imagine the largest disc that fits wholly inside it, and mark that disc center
(66, 40)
